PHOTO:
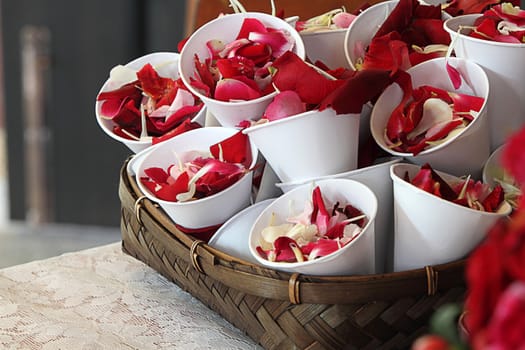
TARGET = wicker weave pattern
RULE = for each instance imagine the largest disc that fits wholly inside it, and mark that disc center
(276, 322)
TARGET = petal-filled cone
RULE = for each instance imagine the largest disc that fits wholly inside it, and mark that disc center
(205, 212)
(226, 29)
(166, 64)
(429, 230)
(457, 155)
(374, 177)
(356, 257)
(361, 31)
(503, 64)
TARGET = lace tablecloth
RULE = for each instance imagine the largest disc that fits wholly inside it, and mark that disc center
(103, 299)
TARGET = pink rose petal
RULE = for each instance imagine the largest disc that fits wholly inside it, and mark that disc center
(284, 104)
(235, 90)
(343, 19)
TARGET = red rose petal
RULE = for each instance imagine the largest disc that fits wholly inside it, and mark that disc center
(157, 174)
(235, 66)
(186, 125)
(322, 247)
(320, 215)
(250, 25)
(294, 74)
(126, 91)
(356, 91)
(258, 53)
(153, 84)
(235, 149)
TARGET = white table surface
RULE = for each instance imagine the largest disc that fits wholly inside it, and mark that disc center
(101, 298)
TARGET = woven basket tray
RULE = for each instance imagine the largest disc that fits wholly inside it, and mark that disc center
(288, 311)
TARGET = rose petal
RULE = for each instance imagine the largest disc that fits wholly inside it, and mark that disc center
(423, 180)
(258, 53)
(230, 49)
(203, 75)
(387, 52)
(284, 104)
(250, 25)
(158, 127)
(125, 91)
(492, 202)
(221, 177)
(296, 75)
(432, 29)
(122, 75)
(280, 41)
(234, 149)
(235, 90)
(442, 129)
(153, 84)
(322, 247)
(343, 19)
(215, 47)
(356, 91)
(128, 116)
(235, 66)
(156, 174)
(283, 249)
(186, 125)
(503, 332)
(454, 75)
(435, 111)
(183, 98)
(320, 215)
(396, 124)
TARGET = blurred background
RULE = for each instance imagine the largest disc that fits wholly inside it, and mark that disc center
(59, 172)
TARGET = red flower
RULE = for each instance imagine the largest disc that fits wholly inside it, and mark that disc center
(506, 328)
(491, 269)
(430, 342)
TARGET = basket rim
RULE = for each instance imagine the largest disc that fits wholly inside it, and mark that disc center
(296, 288)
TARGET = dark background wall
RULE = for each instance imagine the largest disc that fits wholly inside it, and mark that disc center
(87, 38)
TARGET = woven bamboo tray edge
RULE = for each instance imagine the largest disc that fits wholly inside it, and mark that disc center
(428, 280)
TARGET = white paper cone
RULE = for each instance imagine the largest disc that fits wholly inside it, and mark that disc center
(466, 152)
(357, 257)
(166, 65)
(309, 144)
(208, 211)
(226, 28)
(430, 230)
(326, 46)
(503, 64)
